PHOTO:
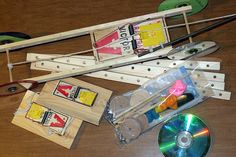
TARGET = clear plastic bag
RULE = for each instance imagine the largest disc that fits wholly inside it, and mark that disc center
(158, 99)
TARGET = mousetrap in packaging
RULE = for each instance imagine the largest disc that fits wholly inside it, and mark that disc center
(135, 112)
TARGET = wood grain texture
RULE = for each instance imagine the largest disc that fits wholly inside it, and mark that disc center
(20, 120)
(45, 17)
(91, 114)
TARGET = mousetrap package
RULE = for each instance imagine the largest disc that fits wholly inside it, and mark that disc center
(135, 112)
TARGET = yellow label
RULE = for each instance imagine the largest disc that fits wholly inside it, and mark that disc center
(36, 112)
(152, 34)
(87, 97)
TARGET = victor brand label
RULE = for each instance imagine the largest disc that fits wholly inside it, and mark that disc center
(55, 119)
(121, 47)
(57, 122)
(66, 90)
(75, 93)
(125, 38)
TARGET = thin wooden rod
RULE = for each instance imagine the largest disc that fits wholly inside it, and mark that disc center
(87, 30)
(166, 28)
(187, 26)
(90, 50)
(10, 66)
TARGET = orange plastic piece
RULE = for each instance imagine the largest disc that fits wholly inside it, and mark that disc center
(168, 102)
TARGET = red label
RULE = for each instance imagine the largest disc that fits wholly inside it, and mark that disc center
(63, 89)
(59, 121)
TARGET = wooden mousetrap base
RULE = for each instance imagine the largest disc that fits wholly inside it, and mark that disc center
(90, 114)
(20, 120)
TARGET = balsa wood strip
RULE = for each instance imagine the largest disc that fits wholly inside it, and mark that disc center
(135, 69)
(217, 87)
(89, 60)
(133, 59)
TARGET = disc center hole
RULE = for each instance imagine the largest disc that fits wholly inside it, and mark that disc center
(184, 139)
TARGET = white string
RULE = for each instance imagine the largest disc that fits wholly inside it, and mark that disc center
(120, 40)
(202, 21)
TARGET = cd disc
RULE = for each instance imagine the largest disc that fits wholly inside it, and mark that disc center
(197, 5)
(184, 135)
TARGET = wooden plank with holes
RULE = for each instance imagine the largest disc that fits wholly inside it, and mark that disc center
(89, 60)
(217, 87)
(189, 64)
(20, 120)
(91, 114)
(122, 61)
(136, 70)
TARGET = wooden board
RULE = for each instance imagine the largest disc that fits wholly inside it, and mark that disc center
(90, 114)
(66, 140)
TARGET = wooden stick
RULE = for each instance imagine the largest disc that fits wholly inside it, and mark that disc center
(213, 64)
(128, 75)
(9, 65)
(87, 30)
(166, 28)
(187, 26)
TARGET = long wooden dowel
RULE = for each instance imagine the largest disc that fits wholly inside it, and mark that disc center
(187, 26)
(87, 30)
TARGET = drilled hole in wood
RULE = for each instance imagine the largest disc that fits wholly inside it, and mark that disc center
(198, 75)
(58, 66)
(220, 94)
(191, 64)
(214, 76)
(138, 80)
(195, 83)
(174, 63)
(36, 57)
(149, 69)
(165, 71)
(84, 62)
(132, 67)
(212, 85)
(105, 75)
(68, 61)
(208, 65)
(173, 57)
(203, 91)
(42, 64)
(121, 78)
(158, 63)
